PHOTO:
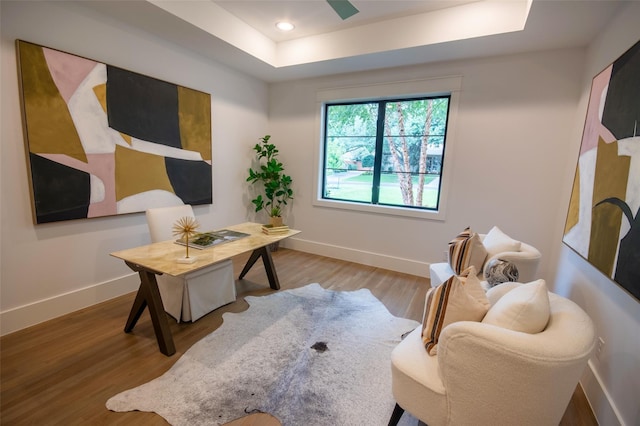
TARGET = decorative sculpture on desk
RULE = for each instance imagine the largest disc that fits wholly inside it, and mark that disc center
(184, 228)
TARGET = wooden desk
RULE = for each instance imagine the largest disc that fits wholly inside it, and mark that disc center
(161, 258)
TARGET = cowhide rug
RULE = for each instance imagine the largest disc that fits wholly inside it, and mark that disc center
(308, 356)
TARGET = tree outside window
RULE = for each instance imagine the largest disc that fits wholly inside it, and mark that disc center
(385, 152)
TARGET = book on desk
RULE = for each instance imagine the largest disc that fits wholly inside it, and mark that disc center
(208, 239)
(274, 230)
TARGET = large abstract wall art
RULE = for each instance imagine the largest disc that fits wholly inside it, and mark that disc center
(104, 141)
(603, 221)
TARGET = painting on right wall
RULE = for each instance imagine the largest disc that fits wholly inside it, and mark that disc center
(603, 220)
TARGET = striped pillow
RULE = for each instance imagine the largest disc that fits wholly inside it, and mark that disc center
(460, 298)
(466, 250)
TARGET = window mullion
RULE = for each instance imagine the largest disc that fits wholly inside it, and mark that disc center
(377, 163)
(324, 158)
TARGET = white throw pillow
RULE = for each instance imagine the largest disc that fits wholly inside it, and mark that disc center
(496, 242)
(496, 292)
(525, 308)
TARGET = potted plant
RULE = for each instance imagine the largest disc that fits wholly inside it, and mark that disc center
(275, 183)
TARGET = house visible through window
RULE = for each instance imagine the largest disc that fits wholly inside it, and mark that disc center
(385, 152)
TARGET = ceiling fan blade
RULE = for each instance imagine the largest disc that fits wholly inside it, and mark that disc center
(343, 8)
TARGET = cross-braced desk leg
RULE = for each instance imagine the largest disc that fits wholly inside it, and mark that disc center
(269, 266)
(149, 296)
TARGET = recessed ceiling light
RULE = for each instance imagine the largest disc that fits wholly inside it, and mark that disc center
(285, 26)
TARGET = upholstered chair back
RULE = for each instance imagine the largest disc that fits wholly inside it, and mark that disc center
(161, 220)
(484, 374)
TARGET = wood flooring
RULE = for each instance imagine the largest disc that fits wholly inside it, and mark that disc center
(62, 372)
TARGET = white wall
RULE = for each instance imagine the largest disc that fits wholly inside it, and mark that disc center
(52, 269)
(514, 134)
(612, 381)
(518, 135)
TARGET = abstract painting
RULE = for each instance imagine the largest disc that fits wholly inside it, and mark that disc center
(603, 220)
(104, 141)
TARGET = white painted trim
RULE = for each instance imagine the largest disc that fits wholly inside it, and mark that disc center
(407, 88)
(21, 317)
(446, 85)
(602, 404)
(43, 310)
(397, 264)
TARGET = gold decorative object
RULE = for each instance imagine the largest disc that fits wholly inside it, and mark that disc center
(184, 228)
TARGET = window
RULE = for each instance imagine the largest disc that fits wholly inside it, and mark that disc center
(384, 148)
(386, 152)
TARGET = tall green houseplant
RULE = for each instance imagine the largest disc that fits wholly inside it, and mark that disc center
(276, 184)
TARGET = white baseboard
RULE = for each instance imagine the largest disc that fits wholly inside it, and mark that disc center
(397, 264)
(34, 313)
(601, 403)
(43, 310)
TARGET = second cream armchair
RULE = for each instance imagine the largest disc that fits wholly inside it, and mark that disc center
(524, 256)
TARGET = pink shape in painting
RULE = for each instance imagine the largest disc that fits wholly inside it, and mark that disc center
(67, 71)
(593, 127)
(103, 167)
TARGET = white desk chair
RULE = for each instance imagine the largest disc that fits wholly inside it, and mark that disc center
(189, 297)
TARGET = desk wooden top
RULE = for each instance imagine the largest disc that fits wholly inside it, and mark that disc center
(162, 257)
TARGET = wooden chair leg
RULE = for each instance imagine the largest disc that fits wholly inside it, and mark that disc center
(398, 411)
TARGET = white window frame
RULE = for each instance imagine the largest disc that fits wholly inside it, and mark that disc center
(396, 90)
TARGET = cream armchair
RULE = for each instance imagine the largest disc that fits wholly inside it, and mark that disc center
(487, 375)
(194, 295)
(526, 259)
